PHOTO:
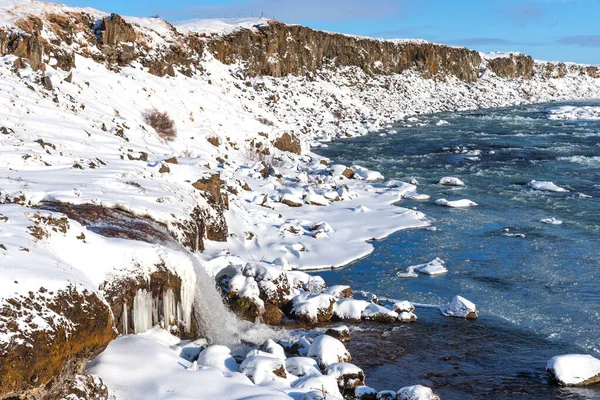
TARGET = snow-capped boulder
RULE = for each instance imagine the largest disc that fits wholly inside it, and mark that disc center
(416, 392)
(350, 309)
(461, 307)
(551, 221)
(348, 376)
(312, 309)
(327, 350)
(218, 357)
(264, 370)
(341, 333)
(365, 393)
(574, 369)
(319, 385)
(375, 312)
(546, 186)
(339, 291)
(403, 306)
(415, 196)
(269, 346)
(451, 181)
(435, 267)
(290, 200)
(386, 395)
(462, 203)
(302, 367)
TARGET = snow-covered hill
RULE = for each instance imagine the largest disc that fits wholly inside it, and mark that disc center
(97, 210)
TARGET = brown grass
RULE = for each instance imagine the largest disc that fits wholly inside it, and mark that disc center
(162, 123)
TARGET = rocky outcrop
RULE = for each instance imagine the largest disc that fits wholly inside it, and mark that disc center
(114, 30)
(277, 49)
(288, 142)
(514, 66)
(75, 327)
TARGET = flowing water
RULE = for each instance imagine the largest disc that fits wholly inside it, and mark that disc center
(536, 285)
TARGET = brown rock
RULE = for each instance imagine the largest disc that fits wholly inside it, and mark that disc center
(272, 315)
(164, 169)
(115, 30)
(288, 142)
(172, 160)
(348, 173)
(514, 66)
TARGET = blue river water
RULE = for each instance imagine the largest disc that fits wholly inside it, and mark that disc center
(536, 285)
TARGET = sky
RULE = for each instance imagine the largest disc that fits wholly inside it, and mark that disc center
(552, 30)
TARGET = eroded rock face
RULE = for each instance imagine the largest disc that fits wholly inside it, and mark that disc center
(114, 30)
(514, 66)
(288, 142)
(42, 359)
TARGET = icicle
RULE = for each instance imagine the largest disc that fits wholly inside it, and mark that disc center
(142, 311)
(125, 319)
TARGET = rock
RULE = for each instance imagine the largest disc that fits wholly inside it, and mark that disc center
(269, 346)
(313, 309)
(340, 292)
(288, 142)
(29, 47)
(451, 181)
(264, 370)
(41, 361)
(513, 66)
(461, 307)
(115, 30)
(403, 306)
(292, 201)
(164, 169)
(327, 350)
(417, 392)
(375, 312)
(341, 333)
(386, 395)
(348, 376)
(47, 83)
(272, 315)
(212, 187)
(218, 357)
(69, 78)
(348, 173)
(172, 160)
(463, 203)
(6, 131)
(350, 309)
(318, 386)
(407, 317)
(365, 393)
(574, 369)
(302, 367)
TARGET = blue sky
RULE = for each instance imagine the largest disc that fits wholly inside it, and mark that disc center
(562, 30)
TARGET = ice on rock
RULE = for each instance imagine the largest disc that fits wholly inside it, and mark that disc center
(551, 221)
(434, 267)
(348, 376)
(218, 357)
(386, 395)
(546, 186)
(375, 312)
(574, 369)
(350, 309)
(366, 174)
(314, 308)
(302, 367)
(407, 317)
(574, 112)
(451, 181)
(416, 392)
(327, 350)
(462, 203)
(461, 307)
(263, 370)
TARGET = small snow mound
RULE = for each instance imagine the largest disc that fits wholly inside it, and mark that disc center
(463, 203)
(415, 196)
(416, 392)
(264, 370)
(451, 181)
(375, 312)
(461, 307)
(546, 186)
(218, 357)
(434, 267)
(574, 369)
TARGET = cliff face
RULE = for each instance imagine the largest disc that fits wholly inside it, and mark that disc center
(278, 49)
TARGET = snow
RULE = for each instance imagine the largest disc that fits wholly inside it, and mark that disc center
(463, 203)
(574, 112)
(327, 350)
(417, 392)
(219, 357)
(461, 307)
(350, 309)
(435, 267)
(574, 369)
(551, 221)
(546, 186)
(451, 181)
(219, 26)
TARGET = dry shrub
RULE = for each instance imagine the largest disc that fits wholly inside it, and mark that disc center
(162, 123)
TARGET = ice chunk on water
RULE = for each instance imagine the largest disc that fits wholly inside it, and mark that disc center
(462, 203)
(546, 185)
(451, 181)
(574, 369)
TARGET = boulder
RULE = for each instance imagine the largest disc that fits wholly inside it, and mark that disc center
(327, 350)
(341, 333)
(386, 395)
(365, 393)
(403, 306)
(263, 370)
(312, 309)
(461, 307)
(375, 312)
(288, 142)
(574, 369)
(348, 376)
(218, 357)
(416, 392)
(302, 367)
(451, 181)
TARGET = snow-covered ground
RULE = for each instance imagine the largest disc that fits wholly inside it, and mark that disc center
(86, 142)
